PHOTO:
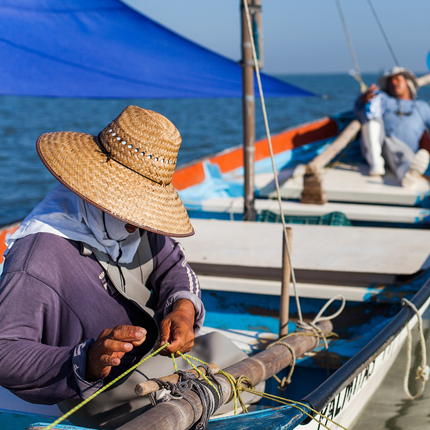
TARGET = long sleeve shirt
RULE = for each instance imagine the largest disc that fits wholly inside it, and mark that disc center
(404, 119)
(54, 303)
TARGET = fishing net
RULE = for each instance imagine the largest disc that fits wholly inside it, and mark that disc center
(332, 218)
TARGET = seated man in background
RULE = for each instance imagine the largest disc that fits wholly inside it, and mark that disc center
(92, 277)
(393, 123)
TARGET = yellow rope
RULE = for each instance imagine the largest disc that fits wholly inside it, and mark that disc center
(67, 414)
(243, 383)
(174, 362)
(283, 384)
(187, 359)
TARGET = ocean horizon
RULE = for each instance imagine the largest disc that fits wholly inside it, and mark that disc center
(206, 125)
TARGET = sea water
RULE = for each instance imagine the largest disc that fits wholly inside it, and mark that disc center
(206, 126)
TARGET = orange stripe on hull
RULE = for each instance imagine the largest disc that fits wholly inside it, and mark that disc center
(231, 160)
(3, 233)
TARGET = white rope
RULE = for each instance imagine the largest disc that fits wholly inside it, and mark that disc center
(423, 371)
(269, 140)
(310, 328)
(306, 326)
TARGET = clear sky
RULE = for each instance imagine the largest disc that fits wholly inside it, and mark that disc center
(306, 36)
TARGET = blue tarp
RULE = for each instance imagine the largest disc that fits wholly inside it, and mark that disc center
(102, 48)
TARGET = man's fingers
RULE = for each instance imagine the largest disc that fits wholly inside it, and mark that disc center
(181, 346)
(165, 332)
(110, 346)
(109, 361)
(129, 333)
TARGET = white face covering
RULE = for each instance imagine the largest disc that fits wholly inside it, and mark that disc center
(115, 228)
(65, 214)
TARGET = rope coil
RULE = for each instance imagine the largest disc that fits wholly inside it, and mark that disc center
(423, 371)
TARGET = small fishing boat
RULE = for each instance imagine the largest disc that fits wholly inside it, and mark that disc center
(241, 287)
(240, 277)
(212, 187)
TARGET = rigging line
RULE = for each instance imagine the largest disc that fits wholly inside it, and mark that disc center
(383, 33)
(358, 77)
(269, 140)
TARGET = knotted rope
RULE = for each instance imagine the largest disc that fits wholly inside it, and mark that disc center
(243, 383)
(208, 394)
(423, 371)
(307, 329)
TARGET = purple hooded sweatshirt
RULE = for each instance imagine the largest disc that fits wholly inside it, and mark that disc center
(54, 303)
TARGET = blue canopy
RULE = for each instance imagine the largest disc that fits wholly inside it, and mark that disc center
(104, 49)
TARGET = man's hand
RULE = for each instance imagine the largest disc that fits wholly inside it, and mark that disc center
(177, 328)
(369, 94)
(110, 347)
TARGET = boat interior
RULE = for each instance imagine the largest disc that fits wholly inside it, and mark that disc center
(213, 187)
(241, 285)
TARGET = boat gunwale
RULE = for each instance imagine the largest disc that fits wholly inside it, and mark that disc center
(343, 376)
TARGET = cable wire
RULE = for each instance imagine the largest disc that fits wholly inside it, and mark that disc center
(357, 75)
(383, 33)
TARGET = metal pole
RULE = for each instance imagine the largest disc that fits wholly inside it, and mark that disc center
(248, 112)
(285, 288)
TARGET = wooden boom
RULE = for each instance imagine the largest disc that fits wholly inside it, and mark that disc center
(313, 191)
(178, 414)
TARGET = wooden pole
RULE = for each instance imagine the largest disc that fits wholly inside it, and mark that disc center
(347, 135)
(248, 113)
(313, 190)
(285, 286)
(178, 414)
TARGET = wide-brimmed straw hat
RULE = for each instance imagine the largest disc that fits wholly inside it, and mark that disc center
(125, 171)
(410, 77)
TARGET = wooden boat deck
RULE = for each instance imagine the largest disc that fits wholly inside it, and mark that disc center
(320, 254)
(354, 212)
(346, 183)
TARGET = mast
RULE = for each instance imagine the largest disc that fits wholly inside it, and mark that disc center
(248, 100)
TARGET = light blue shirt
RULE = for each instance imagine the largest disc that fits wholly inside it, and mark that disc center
(404, 119)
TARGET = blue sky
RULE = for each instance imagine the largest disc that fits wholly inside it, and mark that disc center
(305, 36)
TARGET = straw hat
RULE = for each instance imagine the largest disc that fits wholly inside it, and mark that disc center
(125, 171)
(410, 77)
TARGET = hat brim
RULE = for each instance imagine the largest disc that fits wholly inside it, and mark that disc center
(76, 160)
(383, 80)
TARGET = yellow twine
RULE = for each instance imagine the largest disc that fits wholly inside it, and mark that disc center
(79, 406)
(318, 334)
(240, 387)
(185, 357)
(174, 362)
(243, 383)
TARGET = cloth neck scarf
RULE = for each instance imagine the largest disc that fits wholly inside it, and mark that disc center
(67, 215)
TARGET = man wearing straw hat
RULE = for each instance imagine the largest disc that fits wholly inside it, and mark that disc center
(393, 122)
(92, 277)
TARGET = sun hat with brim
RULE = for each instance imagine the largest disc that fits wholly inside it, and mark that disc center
(125, 171)
(410, 77)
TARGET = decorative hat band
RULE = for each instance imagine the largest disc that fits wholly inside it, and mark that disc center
(150, 158)
(110, 157)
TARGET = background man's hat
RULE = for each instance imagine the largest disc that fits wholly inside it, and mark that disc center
(411, 79)
(125, 171)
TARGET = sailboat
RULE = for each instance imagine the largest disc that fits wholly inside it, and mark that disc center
(240, 276)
